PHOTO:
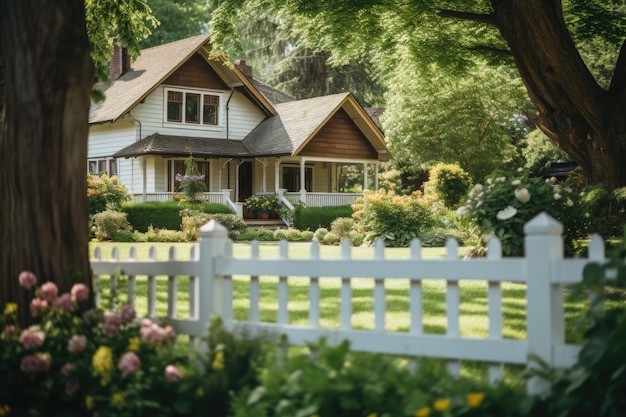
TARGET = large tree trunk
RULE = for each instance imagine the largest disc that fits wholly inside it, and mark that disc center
(43, 144)
(585, 120)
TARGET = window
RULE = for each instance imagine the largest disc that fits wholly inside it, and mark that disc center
(192, 107)
(102, 166)
(291, 178)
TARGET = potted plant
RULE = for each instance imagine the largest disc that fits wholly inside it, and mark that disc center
(262, 205)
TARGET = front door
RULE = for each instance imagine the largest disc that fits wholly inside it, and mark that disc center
(245, 180)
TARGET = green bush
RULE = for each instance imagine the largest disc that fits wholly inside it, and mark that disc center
(320, 234)
(164, 215)
(235, 225)
(249, 234)
(292, 235)
(108, 223)
(105, 193)
(265, 235)
(159, 235)
(124, 236)
(312, 218)
(604, 211)
(450, 182)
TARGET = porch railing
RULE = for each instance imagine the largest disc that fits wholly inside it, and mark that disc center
(212, 197)
(325, 199)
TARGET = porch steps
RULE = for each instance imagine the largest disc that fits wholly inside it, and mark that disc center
(269, 224)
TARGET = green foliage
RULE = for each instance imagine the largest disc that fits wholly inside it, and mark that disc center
(249, 234)
(595, 385)
(450, 183)
(192, 183)
(108, 223)
(312, 218)
(123, 236)
(105, 193)
(159, 235)
(504, 204)
(539, 151)
(333, 381)
(178, 19)
(263, 203)
(395, 219)
(605, 211)
(164, 215)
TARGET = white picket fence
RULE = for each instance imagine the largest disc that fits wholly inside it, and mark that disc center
(543, 271)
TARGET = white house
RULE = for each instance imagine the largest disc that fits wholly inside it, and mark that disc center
(247, 138)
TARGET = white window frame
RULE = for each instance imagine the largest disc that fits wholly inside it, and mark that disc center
(107, 163)
(200, 124)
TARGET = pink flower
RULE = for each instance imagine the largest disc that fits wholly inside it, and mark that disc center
(32, 339)
(27, 279)
(9, 331)
(37, 305)
(112, 323)
(76, 343)
(64, 303)
(128, 313)
(48, 291)
(172, 373)
(39, 362)
(80, 293)
(152, 332)
(67, 368)
(129, 364)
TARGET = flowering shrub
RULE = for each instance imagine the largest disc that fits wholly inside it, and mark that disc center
(262, 203)
(396, 219)
(504, 204)
(105, 193)
(192, 184)
(82, 362)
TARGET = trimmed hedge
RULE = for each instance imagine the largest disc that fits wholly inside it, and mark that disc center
(162, 215)
(312, 218)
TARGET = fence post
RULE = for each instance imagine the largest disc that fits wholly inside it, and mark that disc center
(543, 244)
(212, 242)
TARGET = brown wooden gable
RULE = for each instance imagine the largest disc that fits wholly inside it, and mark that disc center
(197, 73)
(340, 138)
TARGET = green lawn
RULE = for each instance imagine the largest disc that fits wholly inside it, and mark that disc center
(473, 294)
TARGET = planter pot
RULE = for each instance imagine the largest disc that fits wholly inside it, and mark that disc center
(264, 215)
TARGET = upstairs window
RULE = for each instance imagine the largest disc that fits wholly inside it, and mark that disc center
(192, 107)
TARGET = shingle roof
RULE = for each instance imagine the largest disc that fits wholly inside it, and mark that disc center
(272, 94)
(167, 145)
(152, 66)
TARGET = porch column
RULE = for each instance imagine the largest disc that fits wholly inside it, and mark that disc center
(221, 168)
(365, 176)
(277, 174)
(375, 177)
(302, 182)
(239, 162)
(264, 186)
(144, 183)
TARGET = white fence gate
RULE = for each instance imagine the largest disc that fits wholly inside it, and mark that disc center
(543, 271)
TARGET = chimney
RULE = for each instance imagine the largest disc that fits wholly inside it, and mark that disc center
(245, 69)
(120, 61)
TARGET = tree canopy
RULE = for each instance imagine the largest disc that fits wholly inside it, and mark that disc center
(567, 54)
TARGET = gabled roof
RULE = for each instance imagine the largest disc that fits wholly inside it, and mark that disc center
(153, 67)
(299, 121)
(169, 145)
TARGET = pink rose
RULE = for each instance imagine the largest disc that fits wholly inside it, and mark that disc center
(80, 293)
(172, 373)
(37, 305)
(9, 331)
(64, 303)
(112, 323)
(152, 332)
(32, 339)
(27, 279)
(76, 343)
(129, 363)
(39, 362)
(128, 313)
(48, 291)
(67, 368)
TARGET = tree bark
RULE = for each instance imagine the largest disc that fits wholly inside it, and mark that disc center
(43, 144)
(585, 120)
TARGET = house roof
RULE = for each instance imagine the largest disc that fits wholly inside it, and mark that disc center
(169, 145)
(153, 67)
(272, 94)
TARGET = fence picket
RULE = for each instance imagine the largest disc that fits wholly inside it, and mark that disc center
(379, 289)
(314, 290)
(283, 294)
(346, 290)
(494, 309)
(415, 292)
(255, 291)
(227, 296)
(453, 305)
(172, 293)
(152, 286)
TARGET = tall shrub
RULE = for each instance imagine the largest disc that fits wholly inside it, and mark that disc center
(450, 182)
(105, 193)
(192, 183)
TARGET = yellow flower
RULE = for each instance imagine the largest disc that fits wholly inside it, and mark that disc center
(315, 415)
(4, 410)
(218, 362)
(442, 404)
(117, 398)
(474, 399)
(133, 344)
(199, 392)
(102, 363)
(372, 415)
(88, 402)
(422, 412)
(10, 308)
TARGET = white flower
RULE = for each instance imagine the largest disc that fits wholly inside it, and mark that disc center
(557, 196)
(475, 190)
(520, 169)
(516, 182)
(502, 179)
(586, 214)
(522, 195)
(569, 202)
(489, 180)
(506, 213)
(462, 211)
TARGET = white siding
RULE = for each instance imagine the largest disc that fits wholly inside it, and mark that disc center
(105, 140)
(242, 117)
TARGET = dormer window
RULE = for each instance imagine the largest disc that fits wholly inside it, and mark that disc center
(192, 107)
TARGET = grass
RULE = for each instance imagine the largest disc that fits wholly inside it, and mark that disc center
(473, 294)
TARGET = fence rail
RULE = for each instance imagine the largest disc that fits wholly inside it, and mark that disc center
(543, 271)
